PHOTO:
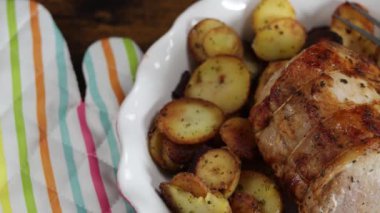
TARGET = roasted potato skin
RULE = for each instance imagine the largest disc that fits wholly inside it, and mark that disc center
(222, 80)
(219, 169)
(237, 134)
(190, 183)
(189, 121)
(280, 39)
(263, 189)
(155, 141)
(182, 201)
(244, 203)
(270, 10)
(178, 153)
(196, 37)
(222, 40)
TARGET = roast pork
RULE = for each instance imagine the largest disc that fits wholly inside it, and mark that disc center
(317, 123)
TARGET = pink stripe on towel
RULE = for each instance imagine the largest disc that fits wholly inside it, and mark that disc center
(93, 160)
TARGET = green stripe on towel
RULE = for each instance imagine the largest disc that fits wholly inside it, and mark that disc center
(18, 108)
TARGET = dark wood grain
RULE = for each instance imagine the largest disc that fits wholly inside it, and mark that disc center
(82, 22)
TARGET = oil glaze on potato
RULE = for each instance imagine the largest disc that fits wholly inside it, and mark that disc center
(189, 120)
(181, 201)
(238, 135)
(219, 169)
(352, 39)
(281, 39)
(190, 183)
(222, 80)
(269, 10)
(262, 189)
(196, 37)
(222, 41)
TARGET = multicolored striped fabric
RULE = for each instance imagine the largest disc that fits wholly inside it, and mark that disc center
(57, 152)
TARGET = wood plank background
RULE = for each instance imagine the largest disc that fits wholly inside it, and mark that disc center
(82, 22)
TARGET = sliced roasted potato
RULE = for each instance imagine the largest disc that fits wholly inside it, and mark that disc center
(262, 189)
(196, 37)
(265, 77)
(190, 183)
(219, 169)
(189, 121)
(158, 153)
(222, 41)
(237, 134)
(155, 148)
(352, 39)
(222, 80)
(281, 39)
(178, 153)
(180, 201)
(269, 10)
(244, 203)
(169, 163)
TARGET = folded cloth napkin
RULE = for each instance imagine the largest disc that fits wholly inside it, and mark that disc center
(58, 153)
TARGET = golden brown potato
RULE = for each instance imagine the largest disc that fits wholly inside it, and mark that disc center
(219, 169)
(196, 37)
(178, 153)
(222, 41)
(352, 39)
(170, 165)
(265, 77)
(281, 39)
(182, 201)
(222, 80)
(190, 183)
(269, 10)
(189, 121)
(262, 189)
(157, 152)
(155, 148)
(237, 134)
(241, 202)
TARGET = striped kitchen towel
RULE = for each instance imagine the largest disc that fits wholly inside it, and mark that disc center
(57, 152)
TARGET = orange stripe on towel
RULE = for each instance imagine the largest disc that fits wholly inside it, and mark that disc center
(112, 71)
(41, 109)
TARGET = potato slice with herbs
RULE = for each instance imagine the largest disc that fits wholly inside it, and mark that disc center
(244, 203)
(189, 120)
(219, 169)
(237, 134)
(196, 37)
(182, 201)
(262, 189)
(222, 80)
(222, 41)
(281, 39)
(351, 38)
(269, 10)
(190, 183)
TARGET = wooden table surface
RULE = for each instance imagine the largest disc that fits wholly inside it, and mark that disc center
(82, 22)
